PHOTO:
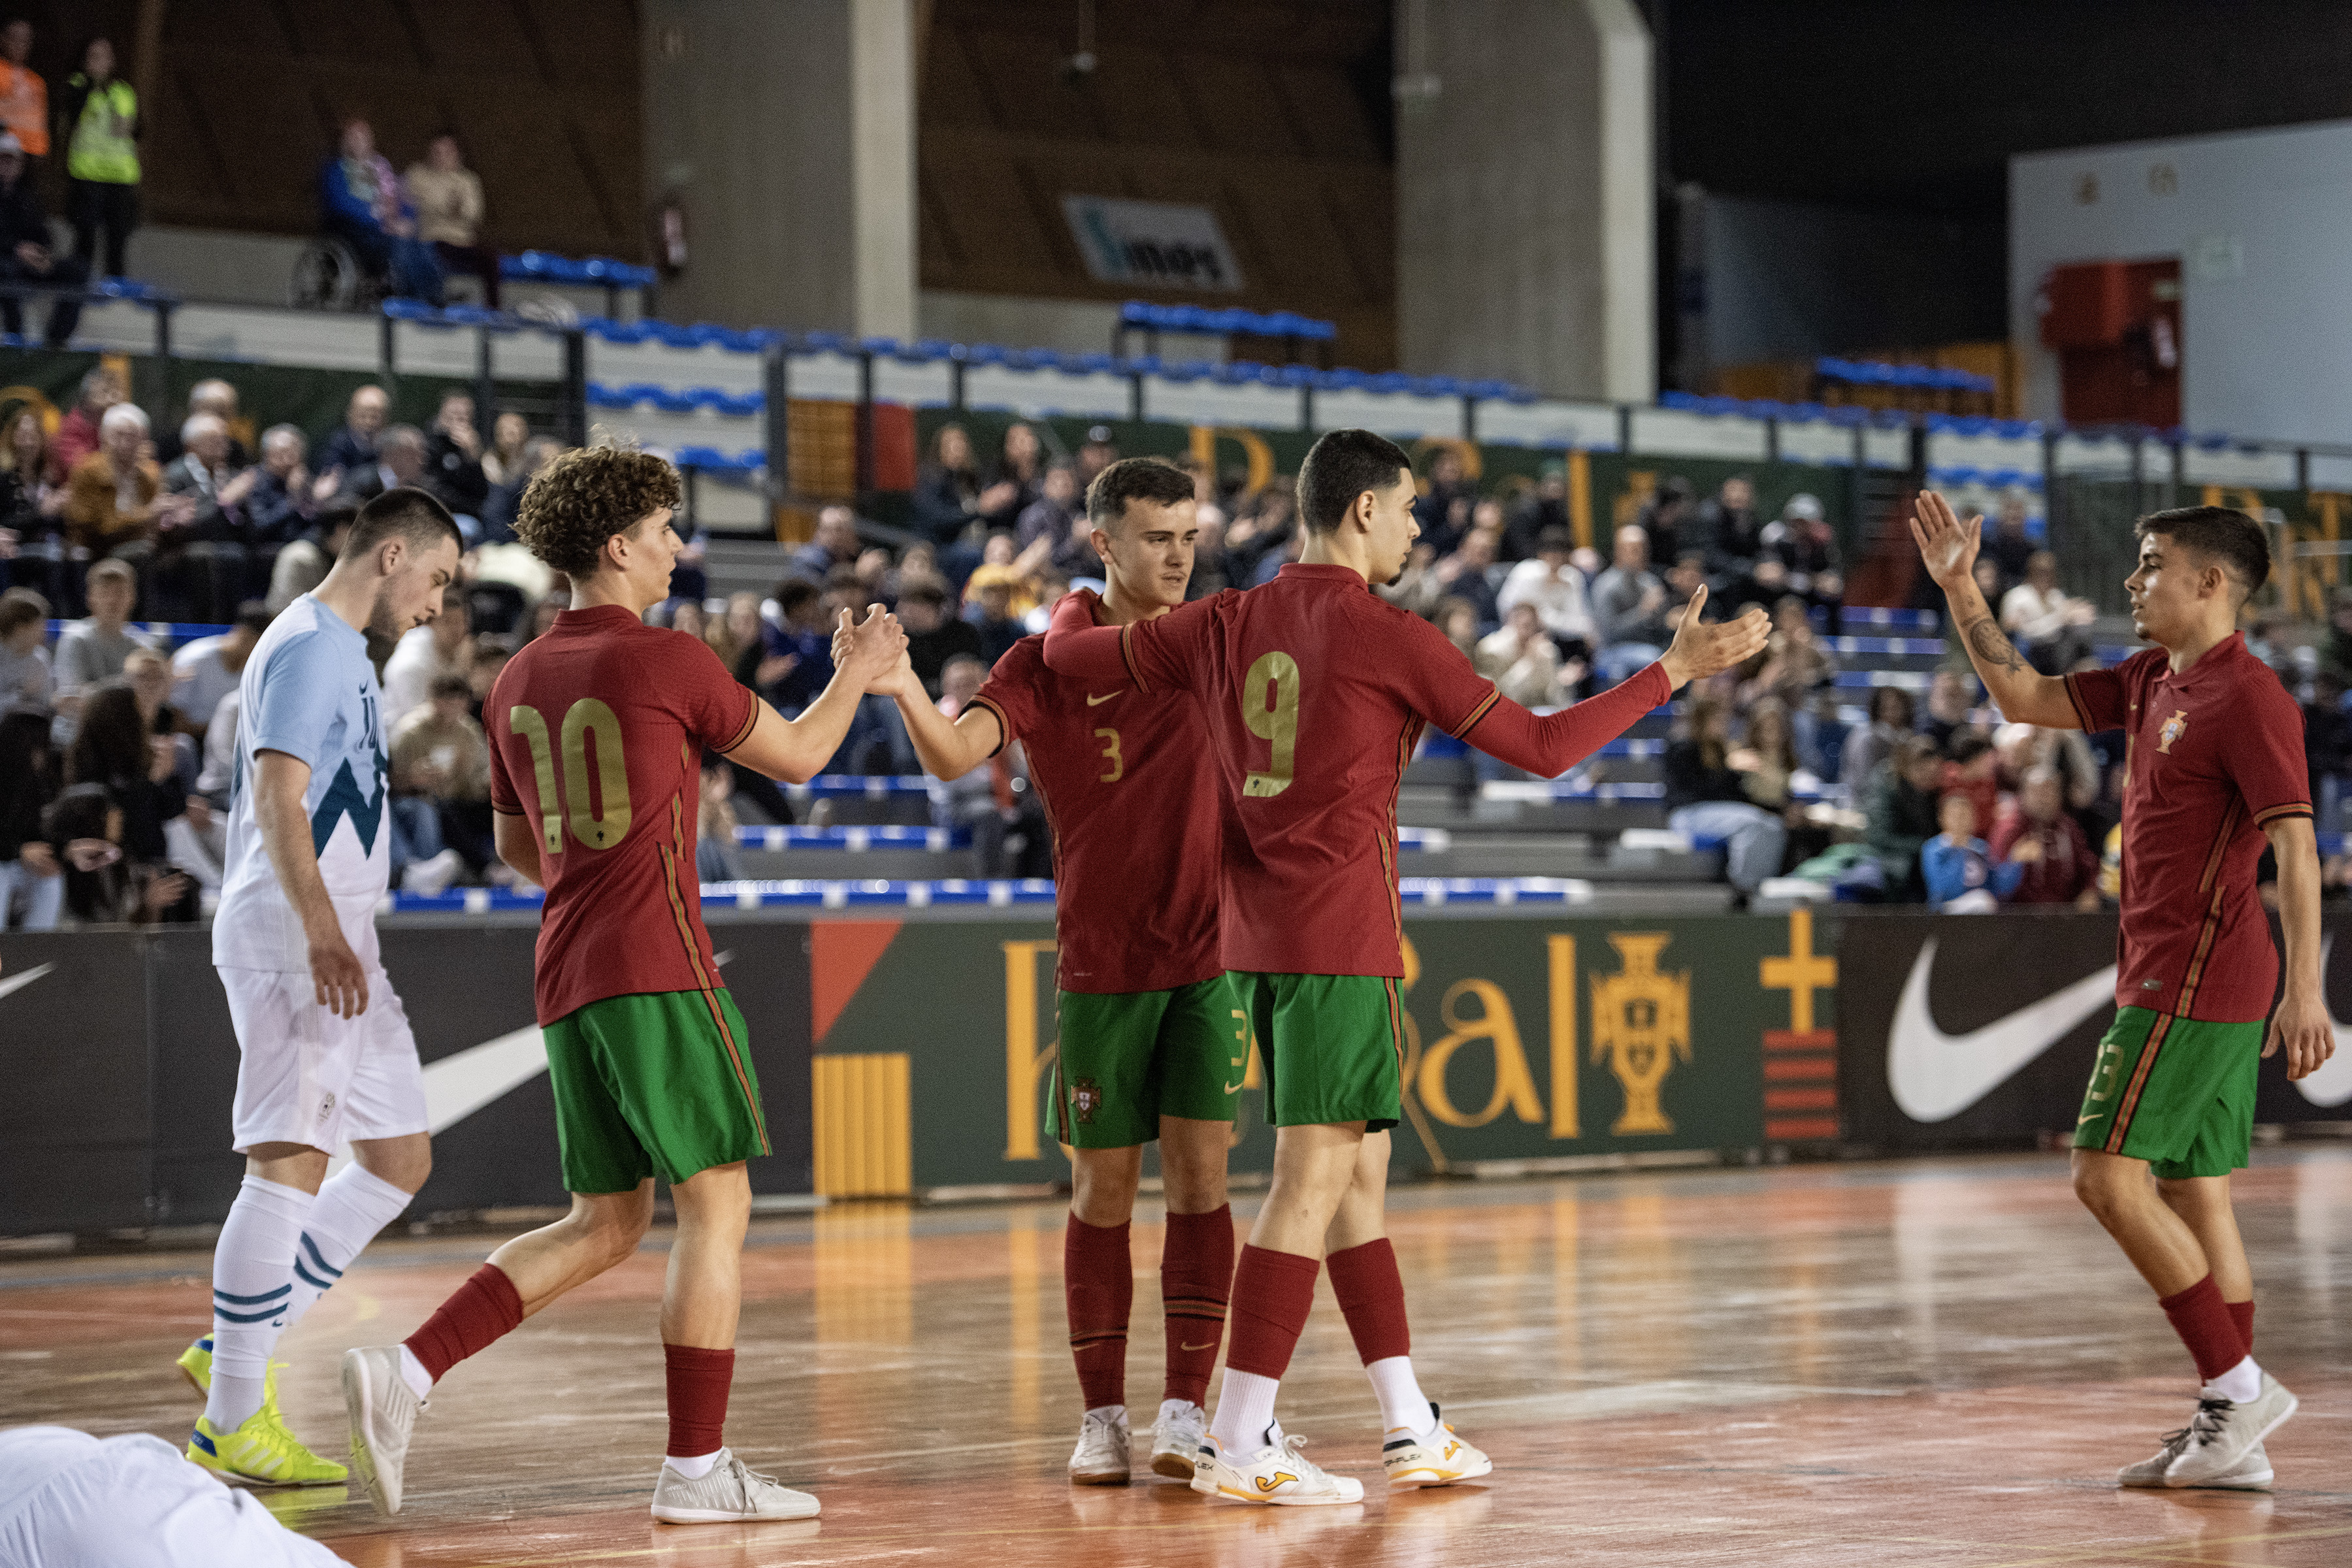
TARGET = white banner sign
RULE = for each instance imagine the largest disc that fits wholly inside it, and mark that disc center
(1153, 244)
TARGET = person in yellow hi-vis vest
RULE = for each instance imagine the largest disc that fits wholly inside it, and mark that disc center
(98, 122)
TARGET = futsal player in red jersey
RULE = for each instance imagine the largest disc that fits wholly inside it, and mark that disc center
(2213, 769)
(598, 730)
(1316, 692)
(1151, 1044)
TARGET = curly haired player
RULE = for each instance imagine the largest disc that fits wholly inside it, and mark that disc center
(597, 731)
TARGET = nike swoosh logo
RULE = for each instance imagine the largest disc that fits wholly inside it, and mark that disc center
(2330, 1083)
(1210, 1346)
(16, 983)
(1233, 1089)
(1935, 1076)
(1096, 701)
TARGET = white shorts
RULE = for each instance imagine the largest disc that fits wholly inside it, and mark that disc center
(131, 1502)
(305, 1076)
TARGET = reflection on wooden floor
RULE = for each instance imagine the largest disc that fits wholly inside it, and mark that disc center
(1937, 1364)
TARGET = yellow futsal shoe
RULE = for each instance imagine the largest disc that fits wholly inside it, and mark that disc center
(1436, 1458)
(196, 1364)
(262, 1452)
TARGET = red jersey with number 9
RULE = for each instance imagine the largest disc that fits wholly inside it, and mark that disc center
(597, 731)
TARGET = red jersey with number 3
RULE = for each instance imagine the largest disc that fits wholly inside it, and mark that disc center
(597, 731)
(1128, 780)
(2213, 756)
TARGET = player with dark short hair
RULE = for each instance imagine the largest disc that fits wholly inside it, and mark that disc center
(597, 731)
(1151, 1044)
(2213, 770)
(1316, 692)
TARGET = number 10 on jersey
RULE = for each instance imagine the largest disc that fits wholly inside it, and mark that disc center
(584, 718)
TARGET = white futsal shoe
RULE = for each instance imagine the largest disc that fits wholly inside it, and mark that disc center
(1176, 1437)
(2253, 1473)
(382, 1410)
(1104, 1453)
(2224, 1433)
(1438, 1457)
(730, 1493)
(1277, 1473)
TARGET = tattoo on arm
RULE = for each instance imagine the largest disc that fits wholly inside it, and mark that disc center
(1990, 649)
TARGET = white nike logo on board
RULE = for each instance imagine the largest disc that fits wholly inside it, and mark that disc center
(19, 982)
(1935, 1076)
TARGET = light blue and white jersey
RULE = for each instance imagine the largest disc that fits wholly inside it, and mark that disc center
(308, 691)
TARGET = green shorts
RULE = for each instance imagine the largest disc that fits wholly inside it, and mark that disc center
(653, 1084)
(1333, 1045)
(2175, 1092)
(1128, 1059)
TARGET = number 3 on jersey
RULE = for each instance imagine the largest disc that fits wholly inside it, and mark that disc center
(585, 718)
(1270, 708)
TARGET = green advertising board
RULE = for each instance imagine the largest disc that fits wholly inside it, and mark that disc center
(1526, 1039)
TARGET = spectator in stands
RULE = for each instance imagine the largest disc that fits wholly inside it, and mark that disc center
(1794, 661)
(1270, 565)
(1707, 797)
(2008, 546)
(453, 458)
(209, 668)
(1900, 814)
(1666, 517)
(1052, 524)
(1629, 608)
(113, 746)
(30, 555)
(77, 433)
(1871, 744)
(115, 500)
(1413, 590)
(447, 197)
(933, 637)
(1972, 768)
(1739, 568)
(23, 96)
(948, 496)
(280, 508)
(1521, 660)
(505, 492)
(1261, 528)
(102, 885)
(24, 251)
(2327, 742)
(399, 460)
(350, 450)
(1543, 507)
(2046, 623)
(425, 653)
(502, 459)
(484, 663)
(1768, 757)
(208, 549)
(1211, 567)
(91, 651)
(1095, 453)
(1683, 579)
(361, 204)
(1805, 545)
(715, 860)
(100, 123)
(210, 395)
(303, 564)
(439, 751)
(1556, 588)
(26, 679)
(1018, 478)
(833, 544)
(1458, 619)
(991, 591)
(1950, 694)
(31, 890)
(1434, 507)
(1010, 835)
(1469, 574)
(1958, 868)
(2048, 846)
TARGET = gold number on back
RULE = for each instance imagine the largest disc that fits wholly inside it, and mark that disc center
(1273, 717)
(1110, 754)
(585, 718)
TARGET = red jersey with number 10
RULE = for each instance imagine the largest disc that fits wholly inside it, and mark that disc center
(597, 731)
(1130, 787)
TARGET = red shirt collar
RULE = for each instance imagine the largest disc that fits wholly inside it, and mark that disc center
(1325, 573)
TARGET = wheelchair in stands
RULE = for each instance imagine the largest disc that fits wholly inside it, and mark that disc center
(328, 275)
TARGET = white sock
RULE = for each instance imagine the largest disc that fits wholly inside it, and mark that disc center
(695, 1469)
(351, 1208)
(2241, 1384)
(413, 1373)
(253, 1271)
(1403, 1406)
(1245, 1412)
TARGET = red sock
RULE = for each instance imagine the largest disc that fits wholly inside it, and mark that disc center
(1273, 1293)
(2204, 1323)
(1196, 1276)
(1371, 1296)
(2243, 1313)
(481, 1310)
(1098, 1286)
(698, 1380)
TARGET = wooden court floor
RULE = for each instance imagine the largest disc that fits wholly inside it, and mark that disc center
(1935, 1362)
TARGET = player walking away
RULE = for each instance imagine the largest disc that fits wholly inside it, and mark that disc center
(2213, 766)
(324, 1052)
(597, 733)
(1150, 1038)
(1315, 692)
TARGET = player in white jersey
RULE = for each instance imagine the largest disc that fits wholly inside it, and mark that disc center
(324, 1053)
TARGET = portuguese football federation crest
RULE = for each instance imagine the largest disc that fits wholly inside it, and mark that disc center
(2173, 727)
(1640, 1022)
(1085, 1099)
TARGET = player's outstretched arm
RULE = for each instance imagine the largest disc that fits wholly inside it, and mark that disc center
(947, 748)
(1077, 647)
(1701, 648)
(280, 781)
(794, 749)
(1948, 548)
(2301, 1025)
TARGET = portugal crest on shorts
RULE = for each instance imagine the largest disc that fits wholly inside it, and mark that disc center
(1085, 1099)
(2173, 727)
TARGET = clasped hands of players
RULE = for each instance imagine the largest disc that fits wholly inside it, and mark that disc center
(871, 651)
(1701, 648)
